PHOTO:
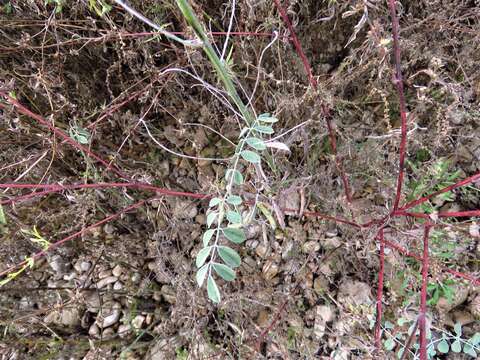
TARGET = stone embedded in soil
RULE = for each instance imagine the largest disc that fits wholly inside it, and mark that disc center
(138, 321)
(460, 294)
(124, 330)
(354, 293)
(59, 264)
(118, 270)
(310, 246)
(109, 314)
(474, 307)
(168, 293)
(106, 281)
(94, 331)
(270, 269)
(323, 315)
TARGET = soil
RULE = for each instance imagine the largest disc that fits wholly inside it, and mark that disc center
(306, 289)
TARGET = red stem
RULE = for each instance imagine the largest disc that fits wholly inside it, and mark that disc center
(378, 327)
(464, 182)
(401, 97)
(71, 237)
(23, 110)
(423, 296)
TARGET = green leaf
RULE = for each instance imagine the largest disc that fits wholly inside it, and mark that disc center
(475, 339)
(212, 290)
(388, 325)
(3, 219)
(458, 329)
(234, 235)
(456, 346)
(266, 118)
(264, 129)
(214, 202)
(234, 200)
(389, 344)
(211, 218)
(256, 143)
(224, 271)
(237, 176)
(201, 274)
(468, 349)
(443, 346)
(234, 217)
(250, 156)
(202, 256)
(229, 256)
(207, 236)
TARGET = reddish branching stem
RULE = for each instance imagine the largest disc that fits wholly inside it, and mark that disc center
(314, 85)
(398, 80)
(25, 111)
(71, 237)
(378, 326)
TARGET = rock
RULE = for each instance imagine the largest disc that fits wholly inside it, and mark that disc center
(263, 318)
(310, 247)
(460, 294)
(168, 293)
(164, 349)
(331, 243)
(124, 330)
(70, 276)
(354, 293)
(104, 273)
(270, 269)
(94, 331)
(253, 231)
(136, 278)
(261, 250)
(92, 301)
(109, 314)
(108, 228)
(106, 281)
(118, 270)
(58, 264)
(323, 315)
(118, 286)
(184, 209)
(138, 321)
(474, 307)
(320, 284)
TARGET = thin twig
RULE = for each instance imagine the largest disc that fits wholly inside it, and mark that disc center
(398, 81)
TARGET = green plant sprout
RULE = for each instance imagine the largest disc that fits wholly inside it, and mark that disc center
(225, 219)
(440, 342)
(36, 238)
(437, 177)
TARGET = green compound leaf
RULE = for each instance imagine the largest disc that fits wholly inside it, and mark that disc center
(267, 118)
(202, 256)
(264, 129)
(229, 256)
(207, 236)
(224, 272)
(469, 350)
(201, 274)
(237, 176)
(234, 217)
(443, 346)
(212, 290)
(456, 346)
(250, 156)
(389, 344)
(256, 143)
(458, 329)
(214, 202)
(236, 236)
(234, 200)
(211, 218)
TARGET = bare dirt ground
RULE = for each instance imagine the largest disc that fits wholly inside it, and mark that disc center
(91, 99)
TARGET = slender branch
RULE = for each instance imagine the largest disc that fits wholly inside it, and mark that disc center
(398, 80)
